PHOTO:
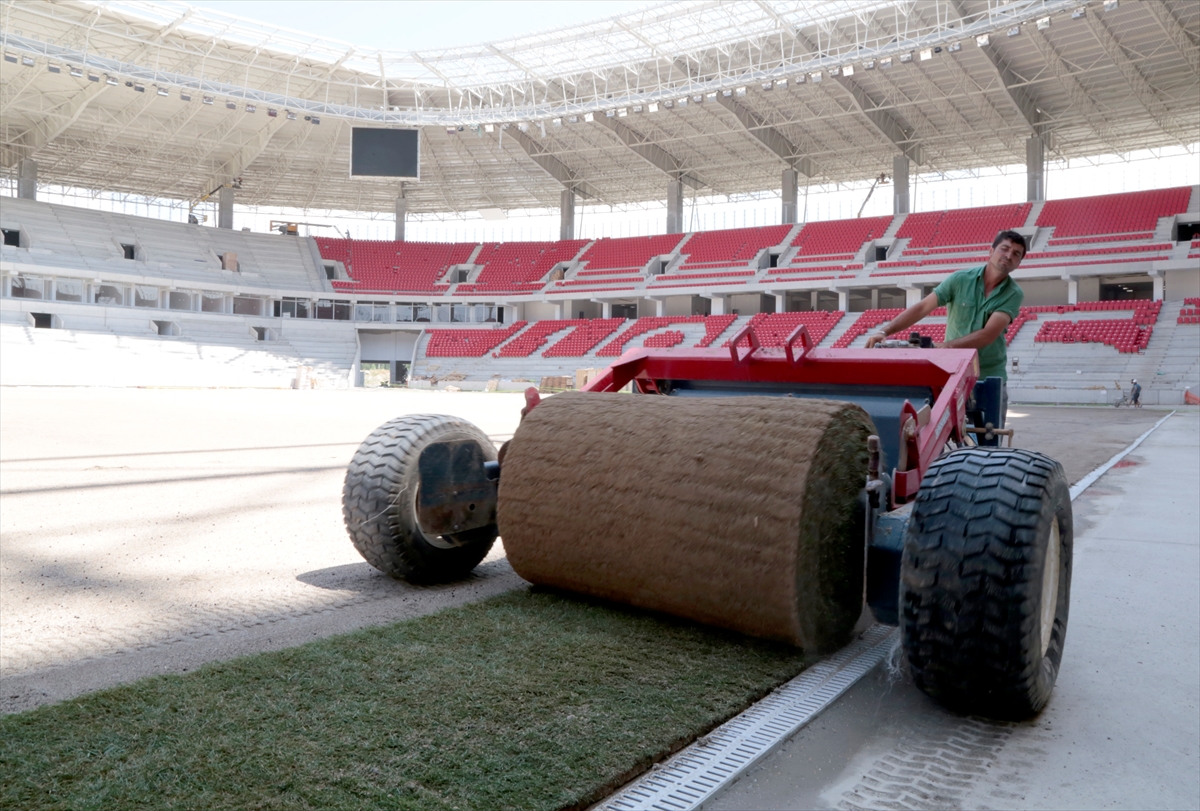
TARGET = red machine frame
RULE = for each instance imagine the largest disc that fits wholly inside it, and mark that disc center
(924, 431)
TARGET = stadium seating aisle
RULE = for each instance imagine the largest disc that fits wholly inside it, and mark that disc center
(736, 246)
(772, 329)
(714, 325)
(608, 256)
(837, 239)
(586, 335)
(518, 267)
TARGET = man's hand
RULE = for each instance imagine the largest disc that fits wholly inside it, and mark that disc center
(876, 337)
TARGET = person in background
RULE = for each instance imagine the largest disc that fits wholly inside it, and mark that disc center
(1135, 392)
(980, 304)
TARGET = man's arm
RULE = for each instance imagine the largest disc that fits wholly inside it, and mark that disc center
(905, 320)
(981, 337)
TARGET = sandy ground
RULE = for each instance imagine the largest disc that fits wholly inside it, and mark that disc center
(149, 531)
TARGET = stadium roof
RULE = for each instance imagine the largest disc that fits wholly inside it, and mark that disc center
(165, 100)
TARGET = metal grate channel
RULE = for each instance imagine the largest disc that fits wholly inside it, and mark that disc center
(702, 770)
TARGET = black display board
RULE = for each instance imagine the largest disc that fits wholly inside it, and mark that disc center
(385, 153)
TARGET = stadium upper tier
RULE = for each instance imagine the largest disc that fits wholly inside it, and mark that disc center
(166, 100)
(852, 253)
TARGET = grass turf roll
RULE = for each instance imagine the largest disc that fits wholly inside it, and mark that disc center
(738, 512)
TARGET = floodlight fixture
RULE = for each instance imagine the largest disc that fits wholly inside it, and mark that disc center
(289, 115)
(77, 73)
(835, 71)
(610, 113)
(637, 108)
(317, 121)
(489, 128)
(768, 85)
(27, 61)
(623, 112)
(11, 58)
(801, 79)
(955, 47)
(848, 70)
(109, 80)
(781, 84)
(556, 122)
(251, 108)
(1043, 23)
(185, 96)
(53, 68)
(1079, 13)
(905, 58)
(727, 93)
(668, 104)
(652, 107)
(869, 64)
(449, 130)
(162, 91)
(983, 40)
(589, 117)
(272, 112)
(92, 77)
(1111, 5)
(815, 77)
(1014, 31)
(926, 54)
(573, 119)
(885, 62)
(710, 96)
(740, 91)
(231, 105)
(139, 88)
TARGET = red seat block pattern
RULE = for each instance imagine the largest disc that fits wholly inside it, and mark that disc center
(837, 239)
(1125, 216)
(735, 246)
(772, 329)
(468, 343)
(714, 325)
(627, 253)
(586, 335)
(518, 267)
(401, 267)
(965, 226)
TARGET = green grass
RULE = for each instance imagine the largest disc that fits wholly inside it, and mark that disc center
(527, 700)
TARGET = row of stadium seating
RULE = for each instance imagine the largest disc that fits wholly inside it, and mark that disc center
(934, 240)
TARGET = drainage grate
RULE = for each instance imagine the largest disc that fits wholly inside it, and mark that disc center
(710, 764)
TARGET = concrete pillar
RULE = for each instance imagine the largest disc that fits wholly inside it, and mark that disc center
(1035, 169)
(815, 298)
(1072, 291)
(718, 305)
(900, 201)
(401, 216)
(674, 206)
(566, 215)
(1158, 279)
(660, 307)
(874, 298)
(790, 188)
(780, 302)
(27, 179)
(560, 307)
(605, 308)
(843, 300)
(225, 207)
(912, 295)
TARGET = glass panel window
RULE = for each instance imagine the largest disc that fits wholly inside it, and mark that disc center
(110, 295)
(383, 312)
(341, 311)
(441, 313)
(324, 309)
(404, 312)
(68, 289)
(363, 310)
(422, 313)
(145, 296)
(460, 312)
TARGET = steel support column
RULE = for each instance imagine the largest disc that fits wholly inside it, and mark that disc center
(674, 207)
(225, 207)
(1035, 169)
(401, 216)
(900, 201)
(27, 179)
(790, 194)
(566, 214)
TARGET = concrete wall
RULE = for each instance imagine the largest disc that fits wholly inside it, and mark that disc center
(750, 304)
(1050, 291)
(541, 310)
(389, 345)
(678, 305)
(1181, 284)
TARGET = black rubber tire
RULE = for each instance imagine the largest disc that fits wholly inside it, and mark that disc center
(379, 502)
(971, 581)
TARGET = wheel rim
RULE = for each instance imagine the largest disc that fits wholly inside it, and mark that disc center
(1050, 575)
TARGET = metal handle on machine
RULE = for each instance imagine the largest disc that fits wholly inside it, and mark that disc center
(746, 331)
(806, 344)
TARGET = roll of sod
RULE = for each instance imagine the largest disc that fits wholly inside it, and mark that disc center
(739, 512)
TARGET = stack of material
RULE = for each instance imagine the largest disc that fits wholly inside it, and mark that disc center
(738, 512)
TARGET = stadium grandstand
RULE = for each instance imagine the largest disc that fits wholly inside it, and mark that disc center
(164, 101)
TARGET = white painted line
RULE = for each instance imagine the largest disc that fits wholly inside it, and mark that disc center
(701, 771)
(1090, 479)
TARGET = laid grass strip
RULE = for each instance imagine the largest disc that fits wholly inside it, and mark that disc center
(529, 700)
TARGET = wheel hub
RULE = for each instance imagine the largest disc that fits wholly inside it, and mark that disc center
(1050, 577)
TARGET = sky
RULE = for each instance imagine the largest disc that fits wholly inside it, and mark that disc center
(403, 25)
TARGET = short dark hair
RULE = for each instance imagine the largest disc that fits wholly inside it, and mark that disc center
(1014, 238)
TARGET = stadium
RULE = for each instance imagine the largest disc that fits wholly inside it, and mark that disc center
(202, 214)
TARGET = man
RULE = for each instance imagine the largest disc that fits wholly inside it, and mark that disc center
(1135, 392)
(981, 302)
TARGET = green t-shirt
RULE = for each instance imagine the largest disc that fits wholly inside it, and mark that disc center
(962, 295)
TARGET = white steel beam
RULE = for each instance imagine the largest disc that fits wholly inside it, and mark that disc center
(53, 124)
(553, 166)
(770, 137)
(651, 152)
(882, 121)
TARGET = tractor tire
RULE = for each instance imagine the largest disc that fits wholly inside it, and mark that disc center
(379, 503)
(985, 581)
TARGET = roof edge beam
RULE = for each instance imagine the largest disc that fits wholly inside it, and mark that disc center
(650, 152)
(1021, 101)
(553, 166)
(46, 133)
(882, 121)
(770, 137)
